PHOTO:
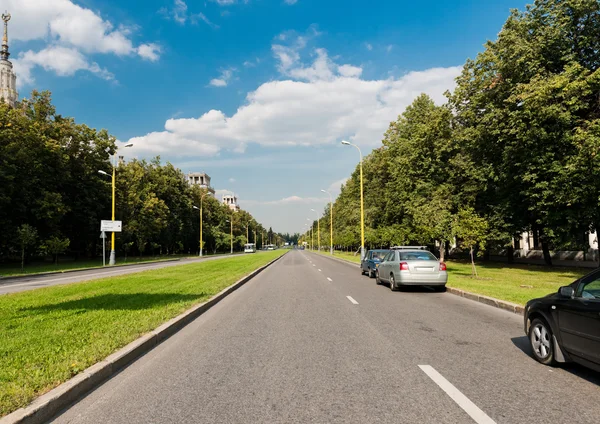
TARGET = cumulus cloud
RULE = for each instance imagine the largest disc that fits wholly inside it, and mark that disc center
(223, 79)
(288, 201)
(63, 61)
(72, 32)
(323, 104)
(149, 51)
(336, 186)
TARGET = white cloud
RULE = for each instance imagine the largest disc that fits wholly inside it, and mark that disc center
(369, 46)
(336, 186)
(232, 180)
(149, 51)
(62, 60)
(203, 18)
(317, 105)
(62, 24)
(290, 1)
(350, 71)
(223, 79)
(252, 63)
(288, 201)
(389, 48)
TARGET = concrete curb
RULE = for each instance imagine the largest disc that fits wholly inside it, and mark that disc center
(344, 261)
(66, 271)
(490, 301)
(50, 404)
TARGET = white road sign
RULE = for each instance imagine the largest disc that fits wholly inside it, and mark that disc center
(110, 226)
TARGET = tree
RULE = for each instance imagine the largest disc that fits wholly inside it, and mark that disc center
(26, 236)
(55, 246)
(471, 230)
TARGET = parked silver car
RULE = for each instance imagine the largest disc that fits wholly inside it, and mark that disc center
(410, 266)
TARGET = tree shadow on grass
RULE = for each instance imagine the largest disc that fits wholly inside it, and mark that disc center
(580, 371)
(111, 302)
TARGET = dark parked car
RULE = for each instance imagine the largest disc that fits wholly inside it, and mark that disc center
(371, 261)
(565, 326)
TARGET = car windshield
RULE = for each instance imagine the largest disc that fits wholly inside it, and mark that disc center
(417, 256)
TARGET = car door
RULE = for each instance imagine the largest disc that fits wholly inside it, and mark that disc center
(367, 260)
(383, 267)
(579, 320)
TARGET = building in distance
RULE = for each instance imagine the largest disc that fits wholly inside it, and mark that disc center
(201, 179)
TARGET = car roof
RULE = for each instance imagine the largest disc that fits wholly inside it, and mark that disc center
(379, 250)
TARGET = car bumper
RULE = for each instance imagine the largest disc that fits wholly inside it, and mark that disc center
(407, 279)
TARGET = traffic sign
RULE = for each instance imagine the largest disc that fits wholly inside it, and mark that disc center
(102, 235)
(110, 226)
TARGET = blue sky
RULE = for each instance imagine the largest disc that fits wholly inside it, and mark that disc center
(257, 93)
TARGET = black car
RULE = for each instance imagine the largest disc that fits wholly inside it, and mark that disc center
(565, 326)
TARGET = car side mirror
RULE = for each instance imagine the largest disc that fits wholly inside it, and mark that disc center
(566, 291)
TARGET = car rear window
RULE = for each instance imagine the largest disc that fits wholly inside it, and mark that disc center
(417, 256)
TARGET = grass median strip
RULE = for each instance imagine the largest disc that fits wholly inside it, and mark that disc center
(49, 335)
(512, 283)
(516, 283)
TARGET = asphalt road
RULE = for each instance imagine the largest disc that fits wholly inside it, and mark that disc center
(291, 346)
(13, 285)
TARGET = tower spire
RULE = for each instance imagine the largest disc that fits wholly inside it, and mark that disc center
(4, 53)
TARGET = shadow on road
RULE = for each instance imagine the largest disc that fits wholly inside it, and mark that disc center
(130, 301)
(587, 374)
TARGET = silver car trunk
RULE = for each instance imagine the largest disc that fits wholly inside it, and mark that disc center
(423, 267)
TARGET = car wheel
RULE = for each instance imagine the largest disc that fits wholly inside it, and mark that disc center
(371, 273)
(377, 280)
(540, 339)
(393, 283)
(362, 271)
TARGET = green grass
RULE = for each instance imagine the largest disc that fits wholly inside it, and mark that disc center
(503, 281)
(349, 256)
(10, 270)
(49, 335)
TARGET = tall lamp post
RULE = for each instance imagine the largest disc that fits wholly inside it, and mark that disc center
(330, 221)
(231, 233)
(318, 230)
(200, 209)
(111, 261)
(312, 232)
(362, 209)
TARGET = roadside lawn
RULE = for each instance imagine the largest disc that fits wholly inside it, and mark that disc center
(11, 270)
(49, 335)
(503, 281)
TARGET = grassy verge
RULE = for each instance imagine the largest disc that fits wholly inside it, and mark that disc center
(349, 256)
(49, 335)
(504, 281)
(11, 270)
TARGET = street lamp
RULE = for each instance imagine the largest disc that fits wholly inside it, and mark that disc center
(231, 234)
(312, 232)
(362, 210)
(111, 261)
(331, 221)
(318, 230)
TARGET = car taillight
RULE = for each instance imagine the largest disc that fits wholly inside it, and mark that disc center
(442, 266)
(403, 266)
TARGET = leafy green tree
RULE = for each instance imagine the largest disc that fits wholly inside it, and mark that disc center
(26, 237)
(55, 246)
(471, 230)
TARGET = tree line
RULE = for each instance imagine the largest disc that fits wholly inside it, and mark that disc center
(514, 148)
(52, 197)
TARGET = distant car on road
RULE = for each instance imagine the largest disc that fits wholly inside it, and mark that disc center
(249, 248)
(411, 266)
(565, 326)
(371, 261)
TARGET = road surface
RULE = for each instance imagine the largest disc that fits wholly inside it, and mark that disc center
(13, 285)
(311, 341)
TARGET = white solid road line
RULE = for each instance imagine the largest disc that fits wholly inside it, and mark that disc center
(352, 300)
(461, 400)
(329, 279)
